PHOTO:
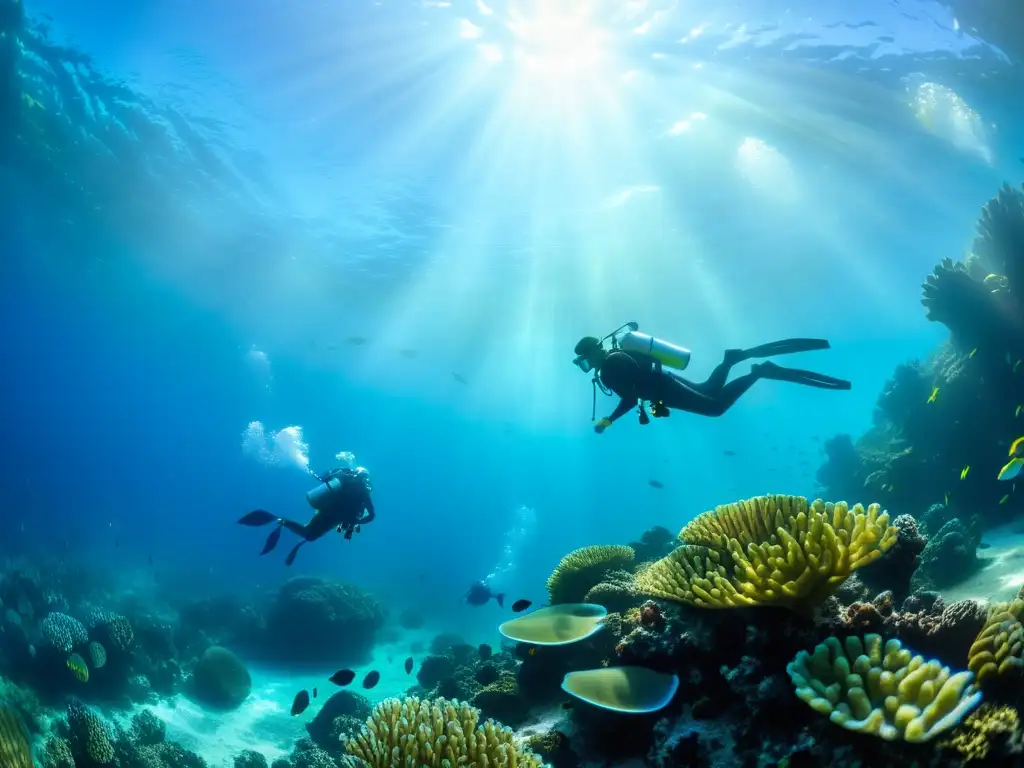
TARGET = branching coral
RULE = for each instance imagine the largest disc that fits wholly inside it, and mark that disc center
(769, 550)
(435, 733)
(988, 725)
(578, 572)
(998, 648)
(872, 686)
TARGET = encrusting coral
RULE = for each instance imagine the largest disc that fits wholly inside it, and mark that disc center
(997, 649)
(769, 550)
(433, 734)
(873, 686)
(579, 571)
(986, 726)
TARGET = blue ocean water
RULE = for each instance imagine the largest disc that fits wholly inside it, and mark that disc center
(386, 224)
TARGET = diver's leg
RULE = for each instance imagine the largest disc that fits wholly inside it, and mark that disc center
(775, 372)
(679, 394)
(717, 379)
(299, 529)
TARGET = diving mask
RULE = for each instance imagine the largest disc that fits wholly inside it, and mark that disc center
(583, 364)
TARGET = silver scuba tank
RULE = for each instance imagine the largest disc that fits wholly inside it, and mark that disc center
(318, 495)
(667, 354)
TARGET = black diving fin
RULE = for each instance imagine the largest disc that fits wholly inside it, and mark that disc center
(272, 539)
(785, 347)
(256, 518)
(291, 555)
(775, 372)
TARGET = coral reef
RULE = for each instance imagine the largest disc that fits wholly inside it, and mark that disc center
(435, 733)
(769, 550)
(220, 679)
(581, 570)
(996, 653)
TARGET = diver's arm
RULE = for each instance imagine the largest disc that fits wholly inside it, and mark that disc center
(625, 406)
(371, 514)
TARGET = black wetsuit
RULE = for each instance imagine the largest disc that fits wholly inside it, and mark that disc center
(636, 377)
(345, 509)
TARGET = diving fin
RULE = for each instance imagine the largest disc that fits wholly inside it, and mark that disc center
(256, 518)
(291, 555)
(797, 376)
(272, 539)
(785, 347)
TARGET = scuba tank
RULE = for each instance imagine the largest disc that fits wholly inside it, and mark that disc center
(667, 354)
(317, 495)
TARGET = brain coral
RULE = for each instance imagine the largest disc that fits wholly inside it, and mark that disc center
(579, 571)
(312, 620)
(220, 679)
(769, 550)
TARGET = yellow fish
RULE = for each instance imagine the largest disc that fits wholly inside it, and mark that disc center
(933, 395)
(77, 666)
(1017, 412)
(973, 353)
(1005, 499)
(964, 471)
(947, 499)
(1013, 467)
(1016, 366)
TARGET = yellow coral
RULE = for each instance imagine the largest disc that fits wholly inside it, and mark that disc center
(15, 749)
(999, 645)
(973, 738)
(435, 734)
(877, 687)
(578, 572)
(769, 550)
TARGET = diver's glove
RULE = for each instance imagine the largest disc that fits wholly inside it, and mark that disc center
(602, 425)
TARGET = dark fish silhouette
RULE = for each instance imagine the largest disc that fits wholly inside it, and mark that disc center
(480, 593)
(256, 518)
(459, 378)
(655, 483)
(408, 665)
(729, 453)
(485, 651)
(343, 677)
(272, 539)
(371, 679)
(356, 341)
(520, 605)
(408, 354)
(301, 702)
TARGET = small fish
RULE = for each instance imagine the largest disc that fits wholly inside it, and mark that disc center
(964, 472)
(1016, 366)
(973, 353)
(314, 693)
(1013, 467)
(459, 378)
(342, 677)
(356, 341)
(408, 665)
(408, 354)
(1005, 499)
(301, 702)
(485, 651)
(371, 679)
(947, 499)
(520, 605)
(78, 668)
(933, 395)
(256, 518)
(1017, 412)
(655, 483)
(729, 453)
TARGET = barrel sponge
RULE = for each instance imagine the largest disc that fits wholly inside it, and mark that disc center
(435, 733)
(15, 747)
(873, 686)
(578, 572)
(769, 550)
(63, 632)
(998, 647)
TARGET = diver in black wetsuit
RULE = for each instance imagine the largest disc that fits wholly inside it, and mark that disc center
(342, 502)
(638, 377)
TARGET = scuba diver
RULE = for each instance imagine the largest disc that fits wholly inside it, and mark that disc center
(340, 500)
(634, 369)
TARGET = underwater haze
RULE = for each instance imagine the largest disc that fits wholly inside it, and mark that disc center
(249, 243)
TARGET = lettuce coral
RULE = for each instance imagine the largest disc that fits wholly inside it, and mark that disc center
(433, 734)
(769, 550)
(877, 687)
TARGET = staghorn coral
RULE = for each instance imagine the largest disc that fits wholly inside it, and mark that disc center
(769, 550)
(433, 734)
(15, 748)
(997, 650)
(986, 727)
(872, 686)
(63, 632)
(580, 571)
